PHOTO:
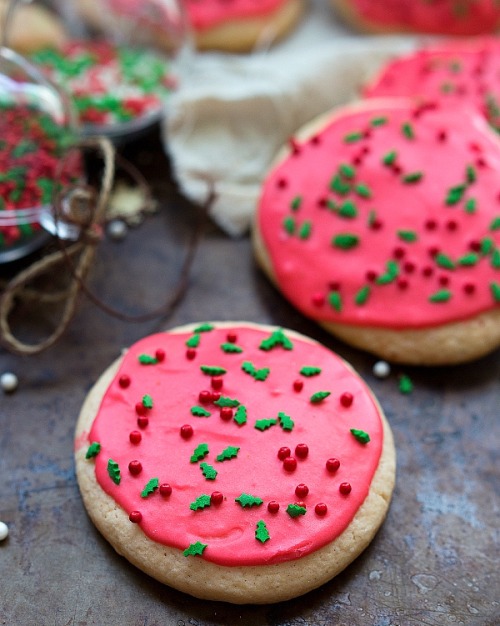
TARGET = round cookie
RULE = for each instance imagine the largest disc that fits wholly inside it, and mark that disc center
(32, 27)
(458, 72)
(445, 17)
(240, 25)
(381, 222)
(235, 461)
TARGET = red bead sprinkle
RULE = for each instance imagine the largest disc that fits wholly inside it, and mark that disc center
(135, 468)
(302, 504)
(298, 385)
(205, 396)
(428, 271)
(190, 354)
(402, 284)
(345, 488)
(226, 413)
(290, 464)
(282, 183)
(187, 431)
(142, 421)
(321, 509)
(283, 453)
(160, 355)
(135, 436)
(140, 409)
(452, 225)
(135, 517)
(165, 490)
(444, 280)
(232, 337)
(409, 267)
(371, 275)
(469, 288)
(475, 246)
(217, 382)
(301, 490)
(124, 381)
(332, 465)
(346, 399)
(318, 299)
(399, 252)
(216, 497)
(302, 450)
(273, 506)
(215, 395)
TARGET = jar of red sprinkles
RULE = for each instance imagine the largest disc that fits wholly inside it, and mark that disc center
(37, 129)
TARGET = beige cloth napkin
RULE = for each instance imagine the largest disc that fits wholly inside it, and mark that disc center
(232, 113)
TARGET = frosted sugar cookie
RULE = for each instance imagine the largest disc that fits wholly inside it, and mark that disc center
(235, 462)
(446, 17)
(382, 223)
(460, 72)
(240, 25)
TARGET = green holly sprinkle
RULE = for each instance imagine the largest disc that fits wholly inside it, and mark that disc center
(495, 291)
(202, 502)
(362, 295)
(277, 338)
(487, 245)
(346, 241)
(495, 224)
(305, 230)
(353, 137)
(407, 130)
(204, 328)
(286, 422)
(150, 487)
(412, 177)
(93, 450)
(264, 424)
(390, 158)
(455, 194)
(408, 235)
(348, 209)
(258, 374)
(294, 510)
(247, 500)
(470, 174)
(308, 370)
(147, 401)
(444, 261)
(363, 190)
(114, 471)
(195, 549)
(319, 396)
(289, 225)
(261, 532)
(495, 259)
(226, 401)
(335, 301)
(295, 203)
(208, 471)
(228, 453)
(470, 205)
(348, 171)
(340, 186)
(443, 295)
(360, 435)
(212, 370)
(391, 273)
(146, 359)
(405, 384)
(468, 260)
(194, 341)
(378, 121)
(231, 348)
(240, 417)
(199, 411)
(199, 453)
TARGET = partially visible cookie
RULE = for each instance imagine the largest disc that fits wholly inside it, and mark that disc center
(381, 221)
(443, 17)
(458, 72)
(241, 25)
(235, 461)
(33, 27)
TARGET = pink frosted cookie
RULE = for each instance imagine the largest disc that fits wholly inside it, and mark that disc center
(458, 72)
(235, 462)
(382, 223)
(447, 17)
(239, 25)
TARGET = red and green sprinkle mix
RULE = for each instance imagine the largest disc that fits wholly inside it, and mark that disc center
(108, 84)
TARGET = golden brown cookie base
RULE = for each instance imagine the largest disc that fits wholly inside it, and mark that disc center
(206, 580)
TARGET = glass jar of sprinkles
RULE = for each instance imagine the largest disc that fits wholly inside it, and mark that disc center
(37, 127)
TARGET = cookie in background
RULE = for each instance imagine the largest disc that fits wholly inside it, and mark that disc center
(443, 17)
(381, 221)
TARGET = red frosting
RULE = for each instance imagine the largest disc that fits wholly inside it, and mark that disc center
(284, 461)
(453, 17)
(389, 217)
(460, 72)
(203, 14)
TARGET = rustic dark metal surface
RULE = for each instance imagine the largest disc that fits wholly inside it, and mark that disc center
(435, 560)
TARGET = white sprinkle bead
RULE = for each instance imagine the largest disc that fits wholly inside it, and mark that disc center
(381, 369)
(8, 382)
(117, 230)
(4, 531)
